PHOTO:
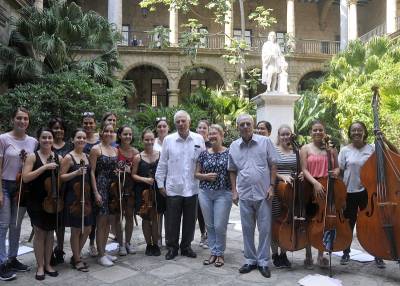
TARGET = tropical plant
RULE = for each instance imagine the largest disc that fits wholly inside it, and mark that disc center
(159, 37)
(48, 41)
(193, 38)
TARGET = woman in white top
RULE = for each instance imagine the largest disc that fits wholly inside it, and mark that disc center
(162, 130)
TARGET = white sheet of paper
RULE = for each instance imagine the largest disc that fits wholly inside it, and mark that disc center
(318, 280)
(362, 257)
(352, 252)
(112, 246)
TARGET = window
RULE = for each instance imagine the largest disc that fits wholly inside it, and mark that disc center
(237, 34)
(196, 83)
(159, 92)
(125, 35)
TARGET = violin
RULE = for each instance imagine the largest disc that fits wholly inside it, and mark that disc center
(293, 231)
(22, 189)
(115, 199)
(82, 205)
(53, 202)
(148, 200)
(330, 230)
(378, 228)
(128, 193)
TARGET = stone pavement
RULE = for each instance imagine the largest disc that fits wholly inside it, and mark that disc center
(139, 269)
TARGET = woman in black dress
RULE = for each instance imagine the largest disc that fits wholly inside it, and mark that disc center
(72, 173)
(37, 171)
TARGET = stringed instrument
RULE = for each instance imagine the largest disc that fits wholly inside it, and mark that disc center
(128, 193)
(148, 199)
(293, 231)
(115, 198)
(22, 190)
(53, 202)
(330, 230)
(378, 225)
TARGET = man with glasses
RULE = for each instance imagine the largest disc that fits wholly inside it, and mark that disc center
(252, 171)
(175, 179)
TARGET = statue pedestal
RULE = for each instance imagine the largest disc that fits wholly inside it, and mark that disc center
(277, 108)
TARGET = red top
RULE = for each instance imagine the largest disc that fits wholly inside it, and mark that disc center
(317, 165)
(121, 157)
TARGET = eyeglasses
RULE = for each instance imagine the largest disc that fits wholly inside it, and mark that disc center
(244, 124)
(158, 119)
(88, 114)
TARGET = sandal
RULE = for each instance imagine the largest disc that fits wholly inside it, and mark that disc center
(219, 262)
(210, 260)
(80, 266)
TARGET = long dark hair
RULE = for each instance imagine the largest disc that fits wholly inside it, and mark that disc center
(363, 126)
(119, 133)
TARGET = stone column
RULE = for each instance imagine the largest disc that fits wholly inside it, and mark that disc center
(229, 25)
(173, 97)
(290, 19)
(352, 23)
(391, 9)
(174, 27)
(115, 13)
(343, 24)
(39, 4)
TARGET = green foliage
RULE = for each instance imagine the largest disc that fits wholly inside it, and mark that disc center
(353, 72)
(66, 95)
(262, 17)
(159, 37)
(193, 37)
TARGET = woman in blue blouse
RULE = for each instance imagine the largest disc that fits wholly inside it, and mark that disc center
(215, 196)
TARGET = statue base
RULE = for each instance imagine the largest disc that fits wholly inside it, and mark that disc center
(276, 108)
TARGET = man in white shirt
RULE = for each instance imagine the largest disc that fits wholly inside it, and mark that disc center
(175, 179)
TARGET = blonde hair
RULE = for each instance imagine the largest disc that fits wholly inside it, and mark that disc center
(283, 126)
(218, 128)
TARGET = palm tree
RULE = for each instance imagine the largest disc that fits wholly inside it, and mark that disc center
(49, 41)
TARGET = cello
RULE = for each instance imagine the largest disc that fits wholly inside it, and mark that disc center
(330, 231)
(378, 228)
(293, 231)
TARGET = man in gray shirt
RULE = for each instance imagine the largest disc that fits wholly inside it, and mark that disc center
(252, 170)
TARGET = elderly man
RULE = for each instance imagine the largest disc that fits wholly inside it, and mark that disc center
(252, 172)
(175, 179)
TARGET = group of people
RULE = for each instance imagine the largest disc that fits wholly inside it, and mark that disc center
(182, 176)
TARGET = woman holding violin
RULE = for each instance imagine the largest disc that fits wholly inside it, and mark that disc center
(75, 174)
(146, 192)
(103, 162)
(41, 172)
(314, 162)
(126, 153)
(11, 145)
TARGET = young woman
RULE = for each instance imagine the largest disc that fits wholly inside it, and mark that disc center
(215, 196)
(110, 118)
(126, 153)
(143, 171)
(71, 174)
(264, 128)
(314, 162)
(351, 158)
(11, 145)
(202, 129)
(103, 162)
(38, 171)
(162, 129)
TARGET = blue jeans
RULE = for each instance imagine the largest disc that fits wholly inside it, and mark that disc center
(8, 216)
(252, 212)
(216, 206)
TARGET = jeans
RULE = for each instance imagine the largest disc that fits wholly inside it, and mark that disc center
(8, 216)
(252, 212)
(216, 207)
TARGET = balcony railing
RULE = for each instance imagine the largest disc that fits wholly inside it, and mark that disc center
(378, 31)
(217, 41)
(398, 23)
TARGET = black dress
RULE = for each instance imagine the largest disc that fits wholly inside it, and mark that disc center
(36, 196)
(148, 170)
(70, 219)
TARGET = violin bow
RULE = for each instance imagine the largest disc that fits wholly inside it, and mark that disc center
(22, 155)
(120, 167)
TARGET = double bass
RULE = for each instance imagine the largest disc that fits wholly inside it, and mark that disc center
(293, 231)
(378, 225)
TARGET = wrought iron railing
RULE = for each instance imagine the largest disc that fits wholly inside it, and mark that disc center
(378, 31)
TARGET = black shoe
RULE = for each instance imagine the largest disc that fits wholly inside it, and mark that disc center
(155, 250)
(247, 268)
(171, 254)
(51, 274)
(380, 263)
(57, 257)
(188, 252)
(6, 274)
(276, 260)
(17, 266)
(148, 251)
(40, 277)
(345, 259)
(264, 270)
(284, 261)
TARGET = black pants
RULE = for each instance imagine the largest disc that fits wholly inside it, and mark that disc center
(354, 202)
(202, 224)
(178, 208)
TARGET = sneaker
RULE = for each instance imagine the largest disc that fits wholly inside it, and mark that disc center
(345, 259)
(380, 263)
(276, 260)
(148, 250)
(130, 248)
(205, 244)
(284, 261)
(111, 257)
(92, 251)
(6, 274)
(203, 239)
(17, 266)
(104, 261)
(122, 251)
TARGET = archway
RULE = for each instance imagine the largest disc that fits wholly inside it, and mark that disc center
(151, 86)
(306, 82)
(195, 77)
